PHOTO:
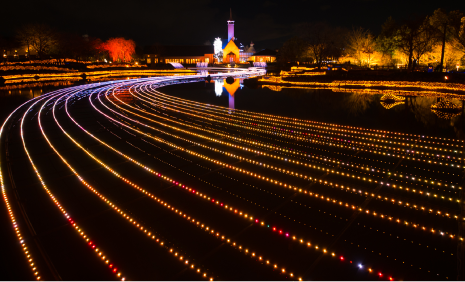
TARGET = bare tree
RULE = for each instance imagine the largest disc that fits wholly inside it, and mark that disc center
(38, 37)
(461, 33)
(361, 45)
(447, 27)
(408, 36)
(323, 41)
(425, 41)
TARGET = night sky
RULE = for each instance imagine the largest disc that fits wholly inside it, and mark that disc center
(193, 22)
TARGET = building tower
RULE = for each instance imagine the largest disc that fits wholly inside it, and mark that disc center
(230, 26)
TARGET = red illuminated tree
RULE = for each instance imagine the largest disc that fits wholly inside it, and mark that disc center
(120, 49)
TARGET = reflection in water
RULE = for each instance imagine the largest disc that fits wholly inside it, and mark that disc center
(390, 97)
(389, 105)
(231, 101)
(389, 100)
(26, 93)
(446, 108)
(458, 122)
(230, 89)
(414, 116)
(36, 85)
(273, 87)
(421, 108)
(358, 103)
(219, 87)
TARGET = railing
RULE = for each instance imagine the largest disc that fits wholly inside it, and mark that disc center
(202, 64)
(259, 64)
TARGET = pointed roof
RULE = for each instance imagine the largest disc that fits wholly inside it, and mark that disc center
(226, 43)
(230, 15)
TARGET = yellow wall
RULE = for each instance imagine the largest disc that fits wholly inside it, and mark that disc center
(230, 47)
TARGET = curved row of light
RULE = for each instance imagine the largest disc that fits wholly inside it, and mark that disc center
(17, 228)
(336, 127)
(107, 201)
(122, 124)
(327, 159)
(439, 212)
(22, 241)
(75, 226)
(138, 148)
(150, 195)
(16, 225)
(291, 132)
(196, 192)
(225, 190)
(330, 184)
(184, 103)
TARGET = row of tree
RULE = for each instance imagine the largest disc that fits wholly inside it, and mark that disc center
(437, 39)
(44, 41)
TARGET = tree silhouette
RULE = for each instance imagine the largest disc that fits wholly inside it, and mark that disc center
(38, 37)
(447, 27)
(361, 45)
(410, 36)
(323, 41)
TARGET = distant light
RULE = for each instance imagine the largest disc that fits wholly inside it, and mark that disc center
(217, 45)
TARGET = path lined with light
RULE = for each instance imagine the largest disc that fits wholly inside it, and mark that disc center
(260, 173)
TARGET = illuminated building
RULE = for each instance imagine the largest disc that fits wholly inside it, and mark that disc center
(221, 51)
(237, 53)
(265, 55)
(230, 50)
(179, 54)
(18, 52)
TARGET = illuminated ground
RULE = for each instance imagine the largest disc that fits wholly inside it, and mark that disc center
(122, 181)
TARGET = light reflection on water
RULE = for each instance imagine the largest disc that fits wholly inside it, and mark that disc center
(386, 110)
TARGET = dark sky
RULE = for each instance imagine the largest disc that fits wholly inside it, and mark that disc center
(193, 22)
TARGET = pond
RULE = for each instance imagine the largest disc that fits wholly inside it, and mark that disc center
(407, 112)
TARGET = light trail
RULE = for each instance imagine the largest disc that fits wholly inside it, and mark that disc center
(265, 159)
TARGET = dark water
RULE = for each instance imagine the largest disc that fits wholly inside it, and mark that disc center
(414, 115)
(12, 96)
